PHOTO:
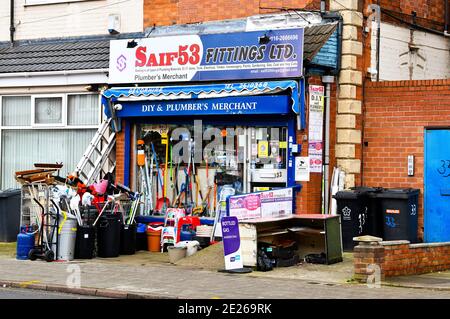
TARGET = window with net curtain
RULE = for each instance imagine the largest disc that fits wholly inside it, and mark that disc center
(21, 148)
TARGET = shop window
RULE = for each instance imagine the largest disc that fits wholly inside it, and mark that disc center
(83, 109)
(48, 110)
(16, 111)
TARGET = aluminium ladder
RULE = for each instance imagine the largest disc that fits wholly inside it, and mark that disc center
(98, 159)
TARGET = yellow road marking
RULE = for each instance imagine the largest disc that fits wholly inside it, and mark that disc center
(26, 283)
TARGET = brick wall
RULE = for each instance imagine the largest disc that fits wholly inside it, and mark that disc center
(400, 258)
(395, 115)
(430, 13)
(167, 12)
(120, 155)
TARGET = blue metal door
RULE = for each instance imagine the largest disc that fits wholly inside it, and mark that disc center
(437, 186)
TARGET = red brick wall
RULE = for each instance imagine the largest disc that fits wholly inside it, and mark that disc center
(120, 155)
(405, 259)
(395, 115)
(400, 258)
(167, 12)
(430, 13)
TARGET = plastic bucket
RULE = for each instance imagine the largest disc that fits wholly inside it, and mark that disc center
(141, 237)
(154, 238)
(128, 240)
(108, 236)
(176, 253)
(85, 242)
(191, 246)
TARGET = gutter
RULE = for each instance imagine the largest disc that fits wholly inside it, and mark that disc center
(50, 73)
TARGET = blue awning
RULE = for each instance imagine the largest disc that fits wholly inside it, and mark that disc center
(206, 91)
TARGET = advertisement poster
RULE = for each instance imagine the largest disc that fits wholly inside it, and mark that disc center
(245, 206)
(267, 204)
(231, 243)
(302, 164)
(276, 203)
(206, 57)
(316, 111)
(315, 156)
(263, 149)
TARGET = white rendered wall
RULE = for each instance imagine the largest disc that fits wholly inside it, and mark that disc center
(428, 59)
(87, 17)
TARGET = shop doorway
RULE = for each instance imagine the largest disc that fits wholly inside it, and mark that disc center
(190, 166)
(437, 185)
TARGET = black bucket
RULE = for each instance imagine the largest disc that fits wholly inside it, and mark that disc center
(108, 236)
(141, 237)
(128, 240)
(85, 242)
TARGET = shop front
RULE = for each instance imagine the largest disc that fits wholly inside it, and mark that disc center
(195, 145)
(237, 127)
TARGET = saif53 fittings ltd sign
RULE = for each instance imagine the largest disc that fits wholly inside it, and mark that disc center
(227, 56)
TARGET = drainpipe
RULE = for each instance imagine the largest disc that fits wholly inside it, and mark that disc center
(447, 18)
(12, 29)
(327, 79)
(378, 19)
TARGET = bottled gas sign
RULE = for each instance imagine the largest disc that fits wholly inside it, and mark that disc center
(227, 56)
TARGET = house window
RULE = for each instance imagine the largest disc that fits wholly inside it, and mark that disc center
(46, 129)
(40, 2)
(48, 110)
(82, 109)
(16, 111)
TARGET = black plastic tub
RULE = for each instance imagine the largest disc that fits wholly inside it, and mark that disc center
(108, 236)
(85, 242)
(128, 240)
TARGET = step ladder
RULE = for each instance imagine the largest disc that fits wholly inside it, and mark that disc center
(98, 159)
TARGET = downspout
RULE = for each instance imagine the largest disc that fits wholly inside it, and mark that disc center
(327, 79)
(12, 29)
(378, 40)
(447, 18)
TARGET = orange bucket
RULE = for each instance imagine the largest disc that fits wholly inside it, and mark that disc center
(154, 238)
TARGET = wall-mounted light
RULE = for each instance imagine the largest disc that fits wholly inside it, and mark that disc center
(118, 107)
(264, 39)
(131, 44)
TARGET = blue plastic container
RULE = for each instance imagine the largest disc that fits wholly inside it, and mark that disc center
(141, 228)
(25, 242)
(187, 235)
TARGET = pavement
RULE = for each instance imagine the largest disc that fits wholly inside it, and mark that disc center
(146, 275)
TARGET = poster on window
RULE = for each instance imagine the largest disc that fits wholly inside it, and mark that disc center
(266, 204)
(277, 203)
(316, 110)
